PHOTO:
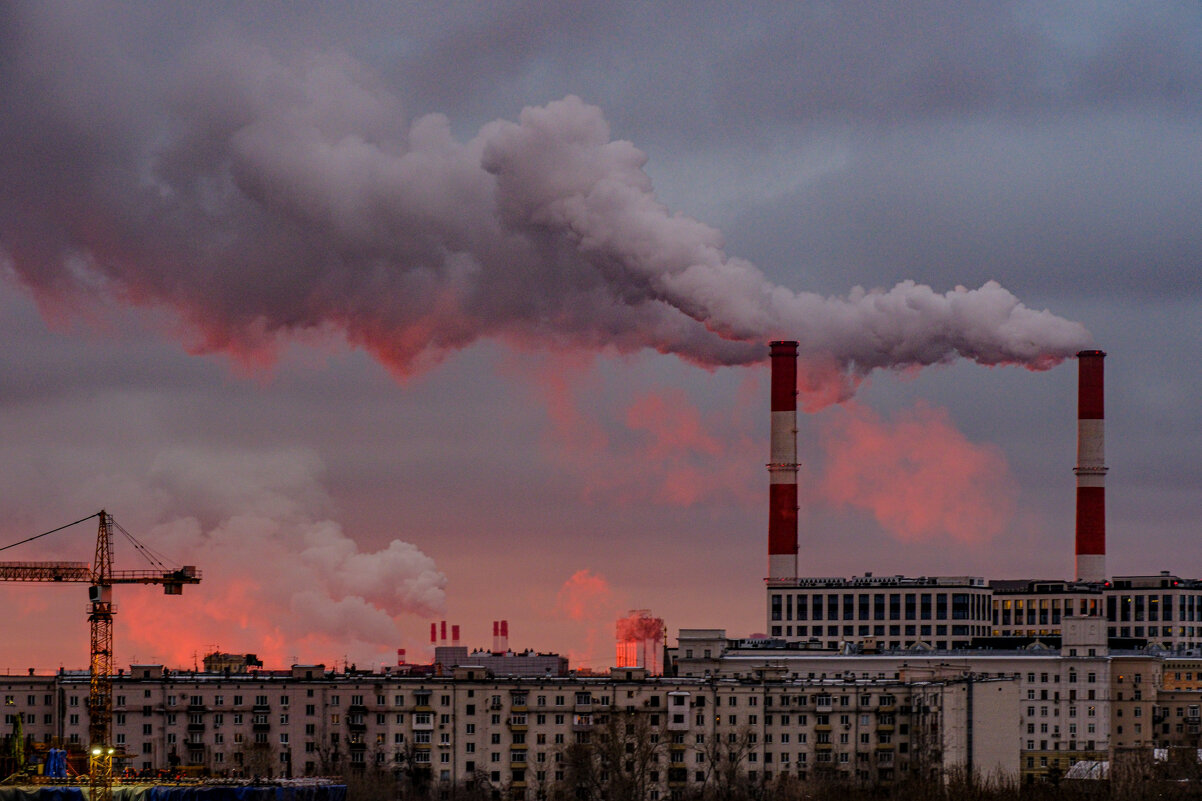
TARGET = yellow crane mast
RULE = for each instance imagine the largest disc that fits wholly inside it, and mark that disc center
(101, 576)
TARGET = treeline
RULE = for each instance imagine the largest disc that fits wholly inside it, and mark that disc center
(626, 759)
(381, 785)
(386, 786)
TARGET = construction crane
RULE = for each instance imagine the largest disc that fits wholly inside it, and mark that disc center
(101, 576)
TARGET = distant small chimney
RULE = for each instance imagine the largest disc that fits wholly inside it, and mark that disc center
(496, 636)
(504, 636)
(433, 633)
(444, 631)
(455, 636)
(400, 657)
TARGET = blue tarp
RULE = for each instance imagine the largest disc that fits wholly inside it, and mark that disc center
(56, 763)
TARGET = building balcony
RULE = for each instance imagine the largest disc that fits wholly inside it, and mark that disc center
(884, 727)
(823, 746)
(260, 727)
(356, 727)
(199, 727)
(356, 708)
(260, 709)
(360, 746)
(884, 746)
(822, 727)
(427, 726)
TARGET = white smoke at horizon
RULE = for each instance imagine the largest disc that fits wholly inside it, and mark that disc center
(268, 197)
(280, 576)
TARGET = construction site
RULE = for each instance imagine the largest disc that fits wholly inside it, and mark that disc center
(64, 767)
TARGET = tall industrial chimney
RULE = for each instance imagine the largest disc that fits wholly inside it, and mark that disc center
(496, 636)
(782, 469)
(1091, 468)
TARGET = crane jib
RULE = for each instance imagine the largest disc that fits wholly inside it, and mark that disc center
(101, 576)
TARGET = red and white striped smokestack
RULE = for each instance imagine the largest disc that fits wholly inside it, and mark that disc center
(400, 657)
(455, 636)
(434, 633)
(496, 636)
(1091, 468)
(782, 469)
(504, 636)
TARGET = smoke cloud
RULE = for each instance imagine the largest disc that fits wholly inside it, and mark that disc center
(587, 599)
(917, 474)
(583, 594)
(639, 625)
(280, 579)
(260, 198)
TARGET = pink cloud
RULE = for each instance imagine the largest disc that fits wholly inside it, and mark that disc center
(917, 474)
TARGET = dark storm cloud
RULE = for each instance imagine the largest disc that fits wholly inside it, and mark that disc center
(888, 63)
(1085, 206)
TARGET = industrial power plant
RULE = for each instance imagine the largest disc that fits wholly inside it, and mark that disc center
(868, 679)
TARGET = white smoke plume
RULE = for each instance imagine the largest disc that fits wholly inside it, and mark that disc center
(280, 577)
(259, 197)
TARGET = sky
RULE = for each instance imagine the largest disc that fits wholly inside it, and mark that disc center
(381, 314)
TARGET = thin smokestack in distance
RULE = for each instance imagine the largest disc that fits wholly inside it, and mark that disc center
(1091, 468)
(782, 467)
(434, 633)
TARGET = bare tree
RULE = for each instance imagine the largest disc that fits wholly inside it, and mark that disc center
(619, 761)
(725, 758)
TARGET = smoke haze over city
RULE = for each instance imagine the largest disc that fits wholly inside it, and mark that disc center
(388, 315)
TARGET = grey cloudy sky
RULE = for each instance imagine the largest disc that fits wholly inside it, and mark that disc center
(371, 368)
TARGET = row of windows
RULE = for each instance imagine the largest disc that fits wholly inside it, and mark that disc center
(865, 606)
(1152, 607)
(912, 630)
(420, 699)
